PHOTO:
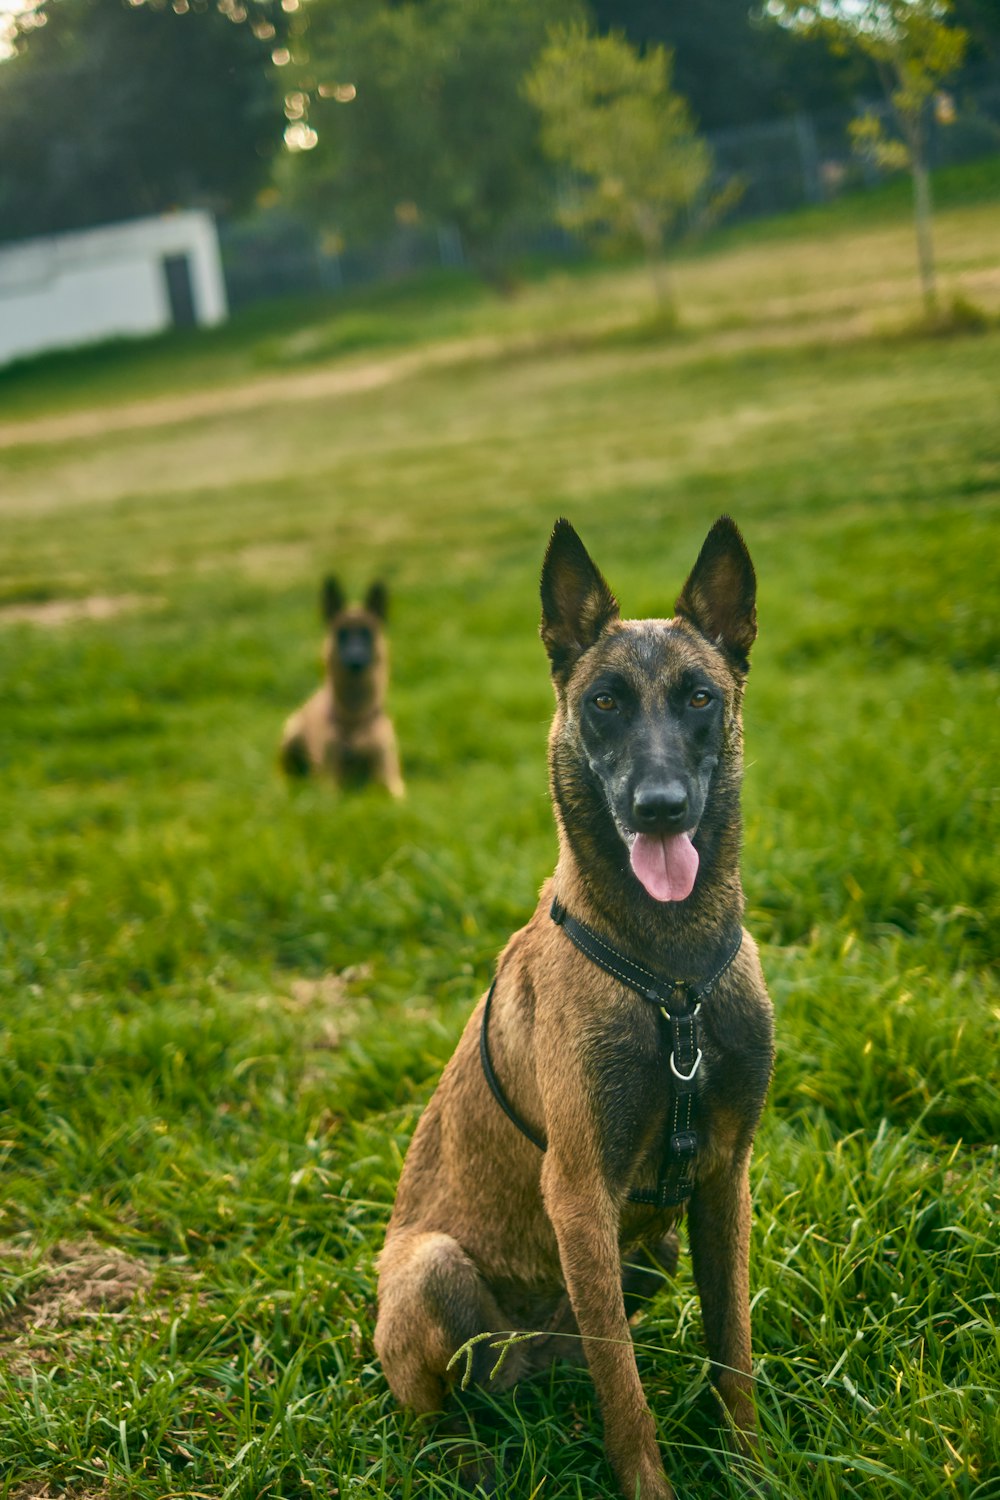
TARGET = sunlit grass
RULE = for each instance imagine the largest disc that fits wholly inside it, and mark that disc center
(841, 271)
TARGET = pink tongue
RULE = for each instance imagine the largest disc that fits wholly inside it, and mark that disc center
(666, 865)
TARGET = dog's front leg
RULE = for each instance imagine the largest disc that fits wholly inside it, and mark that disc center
(719, 1233)
(585, 1221)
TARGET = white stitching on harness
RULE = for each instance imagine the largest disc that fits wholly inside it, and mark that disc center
(618, 975)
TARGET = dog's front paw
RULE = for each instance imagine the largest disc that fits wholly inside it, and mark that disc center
(647, 1481)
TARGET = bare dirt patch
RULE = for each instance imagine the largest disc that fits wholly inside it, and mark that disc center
(42, 1491)
(77, 1284)
(327, 1007)
(51, 613)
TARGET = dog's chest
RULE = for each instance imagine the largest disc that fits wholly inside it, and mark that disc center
(354, 761)
(353, 752)
(638, 1100)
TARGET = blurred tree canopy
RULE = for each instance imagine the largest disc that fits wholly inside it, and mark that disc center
(418, 113)
(111, 109)
(730, 63)
(914, 48)
(392, 110)
(635, 158)
(980, 19)
(735, 67)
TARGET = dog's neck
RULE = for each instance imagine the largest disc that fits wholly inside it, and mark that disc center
(355, 700)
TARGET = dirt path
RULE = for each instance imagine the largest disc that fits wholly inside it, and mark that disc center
(331, 383)
(271, 390)
(783, 321)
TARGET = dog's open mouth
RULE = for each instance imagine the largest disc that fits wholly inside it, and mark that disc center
(666, 865)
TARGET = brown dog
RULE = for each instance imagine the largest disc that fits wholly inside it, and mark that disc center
(616, 1071)
(343, 729)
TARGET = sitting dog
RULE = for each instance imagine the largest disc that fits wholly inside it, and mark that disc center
(614, 1075)
(343, 729)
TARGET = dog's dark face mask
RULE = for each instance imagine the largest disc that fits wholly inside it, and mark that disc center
(648, 709)
(650, 712)
(355, 647)
(355, 643)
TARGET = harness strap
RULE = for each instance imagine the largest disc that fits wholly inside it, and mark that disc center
(676, 1180)
(653, 987)
(494, 1082)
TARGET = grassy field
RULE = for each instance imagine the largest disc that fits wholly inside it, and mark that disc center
(226, 1001)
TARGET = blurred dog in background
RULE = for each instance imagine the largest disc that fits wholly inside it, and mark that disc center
(343, 729)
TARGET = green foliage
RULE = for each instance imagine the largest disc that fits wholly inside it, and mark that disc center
(226, 1000)
(911, 42)
(419, 113)
(110, 109)
(914, 48)
(869, 140)
(612, 118)
(733, 70)
(981, 19)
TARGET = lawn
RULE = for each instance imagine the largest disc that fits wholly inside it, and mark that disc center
(227, 1000)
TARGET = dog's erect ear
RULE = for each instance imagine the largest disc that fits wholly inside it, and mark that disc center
(377, 600)
(720, 595)
(332, 598)
(576, 601)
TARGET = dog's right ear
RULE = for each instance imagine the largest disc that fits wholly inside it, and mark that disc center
(577, 603)
(332, 598)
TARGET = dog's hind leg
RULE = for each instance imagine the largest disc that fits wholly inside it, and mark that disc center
(432, 1300)
(294, 753)
(295, 757)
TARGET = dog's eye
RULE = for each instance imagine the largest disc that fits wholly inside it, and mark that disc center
(604, 702)
(700, 698)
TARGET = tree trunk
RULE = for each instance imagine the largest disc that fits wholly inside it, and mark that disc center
(922, 219)
(651, 235)
(662, 284)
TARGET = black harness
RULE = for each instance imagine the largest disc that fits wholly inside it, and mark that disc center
(679, 1003)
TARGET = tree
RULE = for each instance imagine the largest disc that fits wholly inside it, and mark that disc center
(914, 48)
(612, 118)
(416, 113)
(981, 19)
(111, 109)
(732, 69)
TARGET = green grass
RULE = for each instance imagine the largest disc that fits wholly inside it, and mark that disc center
(226, 1001)
(721, 285)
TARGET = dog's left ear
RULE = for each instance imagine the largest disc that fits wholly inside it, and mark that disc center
(720, 595)
(377, 600)
(577, 603)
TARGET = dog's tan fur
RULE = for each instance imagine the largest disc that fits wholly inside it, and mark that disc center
(489, 1233)
(343, 730)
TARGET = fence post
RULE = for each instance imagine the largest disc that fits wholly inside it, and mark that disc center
(450, 248)
(805, 139)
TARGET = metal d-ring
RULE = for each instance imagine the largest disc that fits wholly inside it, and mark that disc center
(685, 1077)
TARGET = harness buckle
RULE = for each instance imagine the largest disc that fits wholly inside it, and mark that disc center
(684, 1143)
(685, 1077)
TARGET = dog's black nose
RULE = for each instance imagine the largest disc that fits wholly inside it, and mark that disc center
(660, 807)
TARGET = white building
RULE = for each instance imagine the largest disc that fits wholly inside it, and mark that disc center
(117, 281)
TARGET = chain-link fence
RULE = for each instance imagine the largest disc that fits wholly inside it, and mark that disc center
(808, 158)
